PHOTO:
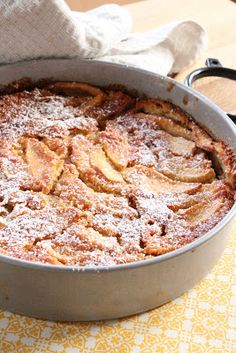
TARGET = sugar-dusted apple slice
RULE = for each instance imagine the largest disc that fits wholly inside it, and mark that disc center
(101, 164)
(201, 138)
(205, 211)
(195, 169)
(157, 183)
(225, 162)
(81, 148)
(93, 165)
(44, 164)
(173, 128)
(115, 144)
(113, 104)
(182, 124)
(179, 146)
(217, 198)
(74, 89)
(74, 191)
(163, 108)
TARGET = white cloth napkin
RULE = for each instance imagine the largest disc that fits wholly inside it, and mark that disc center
(31, 29)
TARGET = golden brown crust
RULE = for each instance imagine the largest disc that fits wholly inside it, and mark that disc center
(96, 177)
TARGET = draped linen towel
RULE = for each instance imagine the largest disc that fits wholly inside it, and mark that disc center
(33, 29)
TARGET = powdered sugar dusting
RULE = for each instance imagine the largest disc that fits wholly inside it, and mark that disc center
(35, 113)
(67, 198)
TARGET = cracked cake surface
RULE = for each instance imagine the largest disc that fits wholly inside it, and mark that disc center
(92, 176)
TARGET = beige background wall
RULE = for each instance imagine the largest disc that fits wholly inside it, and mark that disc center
(83, 5)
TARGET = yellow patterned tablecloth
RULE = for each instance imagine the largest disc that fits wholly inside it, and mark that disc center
(201, 321)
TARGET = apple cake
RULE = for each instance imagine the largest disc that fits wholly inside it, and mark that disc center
(98, 176)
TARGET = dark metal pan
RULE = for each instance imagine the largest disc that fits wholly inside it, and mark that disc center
(213, 68)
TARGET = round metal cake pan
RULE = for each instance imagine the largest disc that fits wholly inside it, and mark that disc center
(81, 294)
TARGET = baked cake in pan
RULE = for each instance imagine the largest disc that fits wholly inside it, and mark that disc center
(94, 176)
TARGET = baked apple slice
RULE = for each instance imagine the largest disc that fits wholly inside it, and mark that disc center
(162, 108)
(113, 104)
(179, 146)
(196, 169)
(116, 146)
(93, 165)
(205, 211)
(74, 89)
(225, 162)
(44, 164)
(182, 124)
(81, 148)
(101, 164)
(173, 128)
(157, 183)
(201, 138)
(74, 191)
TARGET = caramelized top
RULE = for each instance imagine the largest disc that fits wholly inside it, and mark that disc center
(95, 177)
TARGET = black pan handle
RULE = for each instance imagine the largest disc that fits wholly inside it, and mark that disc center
(213, 68)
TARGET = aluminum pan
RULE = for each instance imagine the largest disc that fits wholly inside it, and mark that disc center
(201, 108)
